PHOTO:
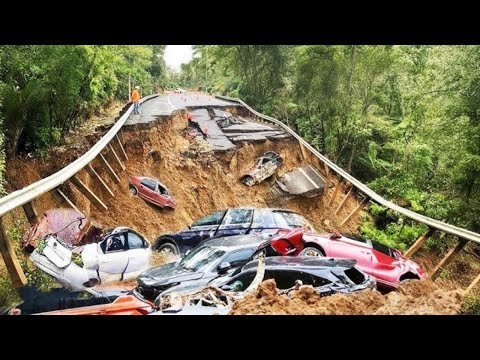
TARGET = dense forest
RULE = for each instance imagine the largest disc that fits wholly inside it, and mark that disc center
(48, 90)
(403, 119)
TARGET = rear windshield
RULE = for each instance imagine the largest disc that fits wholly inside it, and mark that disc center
(292, 220)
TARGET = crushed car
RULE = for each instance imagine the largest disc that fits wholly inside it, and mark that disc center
(216, 257)
(231, 222)
(70, 226)
(152, 191)
(122, 254)
(265, 166)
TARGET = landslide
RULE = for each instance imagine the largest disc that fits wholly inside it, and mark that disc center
(200, 186)
(412, 298)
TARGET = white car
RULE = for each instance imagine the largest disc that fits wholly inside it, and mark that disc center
(179, 91)
(122, 254)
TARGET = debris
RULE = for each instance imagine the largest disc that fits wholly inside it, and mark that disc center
(306, 181)
(155, 154)
(265, 166)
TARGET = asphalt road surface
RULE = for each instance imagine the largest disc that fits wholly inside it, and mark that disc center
(166, 104)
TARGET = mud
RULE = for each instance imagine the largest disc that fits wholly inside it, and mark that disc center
(412, 298)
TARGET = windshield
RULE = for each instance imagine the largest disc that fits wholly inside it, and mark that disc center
(292, 220)
(201, 257)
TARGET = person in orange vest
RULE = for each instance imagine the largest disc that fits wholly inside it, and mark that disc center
(136, 100)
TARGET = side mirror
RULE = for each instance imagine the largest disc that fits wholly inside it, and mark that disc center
(187, 252)
(224, 267)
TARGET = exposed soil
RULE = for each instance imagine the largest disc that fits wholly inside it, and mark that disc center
(210, 183)
(412, 298)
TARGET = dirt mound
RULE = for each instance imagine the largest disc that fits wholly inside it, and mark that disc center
(415, 297)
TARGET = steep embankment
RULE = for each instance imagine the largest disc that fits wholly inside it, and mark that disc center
(200, 185)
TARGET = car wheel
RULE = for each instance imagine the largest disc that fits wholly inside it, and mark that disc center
(133, 190)
(311, 251)
(167, 249)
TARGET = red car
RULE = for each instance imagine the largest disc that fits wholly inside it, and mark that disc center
(387, 265)
(151, 190)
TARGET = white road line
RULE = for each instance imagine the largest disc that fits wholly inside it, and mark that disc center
(308, 178)
(170, 103)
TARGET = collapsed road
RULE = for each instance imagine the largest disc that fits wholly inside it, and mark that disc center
(161, 129)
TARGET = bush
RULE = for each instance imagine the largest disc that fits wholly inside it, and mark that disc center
(471, 305)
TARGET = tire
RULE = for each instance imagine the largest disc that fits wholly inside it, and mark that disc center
(311, 251)
(168, 248)
(133, 190)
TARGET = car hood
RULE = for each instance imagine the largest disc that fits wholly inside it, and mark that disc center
(167, 274)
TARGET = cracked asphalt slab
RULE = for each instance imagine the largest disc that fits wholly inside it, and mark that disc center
(165, 105)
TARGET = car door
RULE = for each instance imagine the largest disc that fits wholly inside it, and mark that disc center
(235, 222)
(147, 190)
(113, 257)
(202, 229)
(357, 249)
(138, 255)
(386, 267)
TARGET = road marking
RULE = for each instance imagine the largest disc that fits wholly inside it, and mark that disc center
(308, 178)
(170, 103)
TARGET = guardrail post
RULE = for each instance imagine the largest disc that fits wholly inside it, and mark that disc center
(335, 192)
(302, 150)
(59, 194)
(357, 209)
(448, 258)
(418, 244)
(89, 194)
(472, 285)
(326, 186)
(91, 171)
(10, 258)
(343, 201)
(125, 156)
(30, 213)
(110, 170)
(116, 157)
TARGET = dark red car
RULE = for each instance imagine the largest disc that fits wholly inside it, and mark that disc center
(387, 265)
(151, 190)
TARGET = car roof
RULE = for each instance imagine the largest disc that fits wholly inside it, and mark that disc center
(302, 263)
(238, 241)
(150, 178)
(257, 208)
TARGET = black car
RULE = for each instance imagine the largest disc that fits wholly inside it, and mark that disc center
(235, 221)
(214, 258)
(326, 275)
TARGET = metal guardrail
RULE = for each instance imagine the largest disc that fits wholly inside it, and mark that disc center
(32, 191)
(432, 223)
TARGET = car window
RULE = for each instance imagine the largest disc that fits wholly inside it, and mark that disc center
(115, 243)
(149, 184)
(201, 257)
(356, 276)
(292, 220)
(263, 218)
(135, 241)
(238, 216)
(383, 249)
(162, 190)
(242, 281)
(211, 219)
(285, 279)
(239, 258)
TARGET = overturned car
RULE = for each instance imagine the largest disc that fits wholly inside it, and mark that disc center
(265, 166)
(122, 254)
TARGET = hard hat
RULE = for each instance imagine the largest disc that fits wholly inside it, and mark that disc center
(137, 87)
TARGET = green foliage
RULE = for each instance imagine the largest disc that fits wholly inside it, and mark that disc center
(46, 90)
(8, 295)
(471, 305)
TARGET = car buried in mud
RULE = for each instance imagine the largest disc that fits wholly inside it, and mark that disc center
(265, 166)
(230, 222)
(122, 254)
(152, 191)
(387, 265)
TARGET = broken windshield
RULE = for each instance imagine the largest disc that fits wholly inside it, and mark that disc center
(201, 257)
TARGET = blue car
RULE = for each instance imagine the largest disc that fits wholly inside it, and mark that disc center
(230, 222)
